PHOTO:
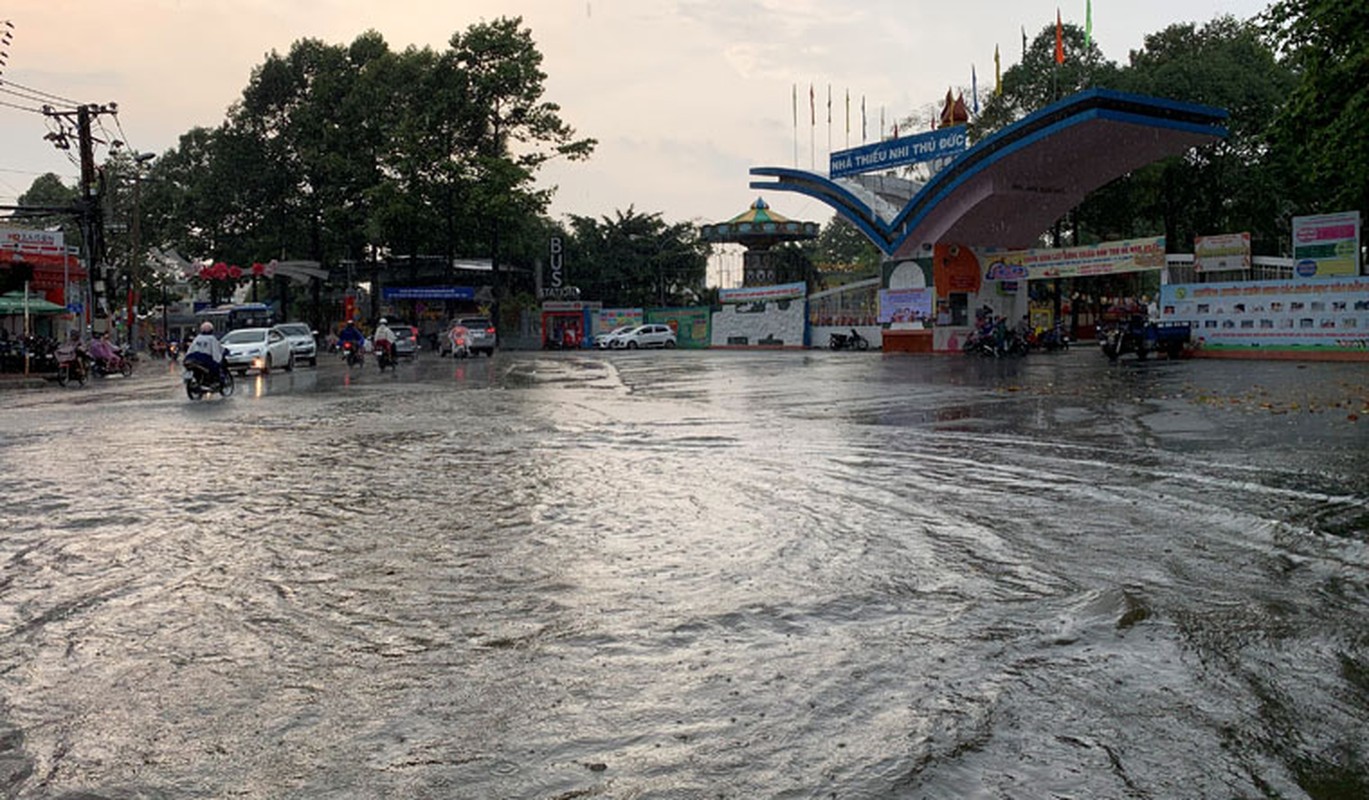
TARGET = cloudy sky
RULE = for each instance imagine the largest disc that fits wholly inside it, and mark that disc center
(683, 95)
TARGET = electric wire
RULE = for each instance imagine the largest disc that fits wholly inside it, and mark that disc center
(51, 98)
(24, 95)
(21, 108)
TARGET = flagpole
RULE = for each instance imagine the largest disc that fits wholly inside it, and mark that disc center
(812, 131)
(796, 126)
(829, 122)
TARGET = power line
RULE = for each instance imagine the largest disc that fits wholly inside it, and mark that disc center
(21, 108)
(48, 97)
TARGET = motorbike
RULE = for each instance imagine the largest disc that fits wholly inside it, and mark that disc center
(201, 380)
(71, 370)
(351, 352)
(851, 341)
(1053, 338)
(118, 364)
(385, 355)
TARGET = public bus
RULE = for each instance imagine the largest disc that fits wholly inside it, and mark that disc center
(232, 316)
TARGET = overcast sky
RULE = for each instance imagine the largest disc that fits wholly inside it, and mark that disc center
(683, 96)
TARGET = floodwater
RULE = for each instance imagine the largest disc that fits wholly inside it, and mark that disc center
(688, 575)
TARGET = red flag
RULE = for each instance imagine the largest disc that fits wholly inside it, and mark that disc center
(1059, 39)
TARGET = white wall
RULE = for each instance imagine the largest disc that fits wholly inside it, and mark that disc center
(774, 326)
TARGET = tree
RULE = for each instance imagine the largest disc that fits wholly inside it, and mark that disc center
(636, 260)
(48, 190)
(841, 247)
(1319, 135)
(1038, 80)
(1226, 186)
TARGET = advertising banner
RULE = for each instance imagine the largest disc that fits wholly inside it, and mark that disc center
(760, 294)
(1105, 258)
(929, 146)
(607, 319)
(905, 305)
(1319, 314)
(427, 293)
(691, 325)
(1222, 253)
(1326, 245)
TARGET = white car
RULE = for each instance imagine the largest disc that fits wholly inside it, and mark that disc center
(262, 349)
(652, 335)
(302, 342)
(605, 341)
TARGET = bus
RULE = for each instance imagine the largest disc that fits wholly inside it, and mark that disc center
(232, 316)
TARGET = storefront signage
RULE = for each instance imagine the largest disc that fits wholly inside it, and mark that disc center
(905, 305)
(1326, 244)
(1221, 253)
(1323, 313)
(427, 293)
(1105, 258)
(898, 152)
(555, 260)
(757, 294)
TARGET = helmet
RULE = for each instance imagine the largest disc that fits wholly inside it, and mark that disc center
(206, 327)
(382, 321)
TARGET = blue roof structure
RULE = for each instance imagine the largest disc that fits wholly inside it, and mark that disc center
(1011, 186)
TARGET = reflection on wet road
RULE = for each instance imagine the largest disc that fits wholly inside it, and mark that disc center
(690, 574)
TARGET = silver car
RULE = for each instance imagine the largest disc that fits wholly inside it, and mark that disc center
(483, 337)
(301, 339)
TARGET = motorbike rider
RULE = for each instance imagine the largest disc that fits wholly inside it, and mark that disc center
(384, 339)
(207, 351)
(71, 351)
(102, 351)
(351, 334)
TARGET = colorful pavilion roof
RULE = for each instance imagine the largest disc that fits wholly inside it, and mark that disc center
(759, 227)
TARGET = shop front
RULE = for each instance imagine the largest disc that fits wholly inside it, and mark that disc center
(568, 324)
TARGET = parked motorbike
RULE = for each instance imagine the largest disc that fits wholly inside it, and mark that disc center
(351, 352)
(1054, 338)
(201, 380)
(851, 341)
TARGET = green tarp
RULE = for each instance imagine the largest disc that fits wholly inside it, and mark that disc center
(13, 303)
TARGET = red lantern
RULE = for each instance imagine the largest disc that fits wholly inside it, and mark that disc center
(258, 268)
(235, 272)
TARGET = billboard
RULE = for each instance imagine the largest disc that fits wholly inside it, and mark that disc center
(760, 294)
(899, 152)
(905, 305)
(1321, 314)
(1104, 258)
(1326, 245)
(1221, 253)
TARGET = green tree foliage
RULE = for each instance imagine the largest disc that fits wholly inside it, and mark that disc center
(1320, 133)
(48, 190)
(353, 153)
(1037, 81)
(1227, 186)
(634, 260)
(842, 248)
(1223, 187)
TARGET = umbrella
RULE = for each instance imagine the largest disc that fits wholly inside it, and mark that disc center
(13, 303)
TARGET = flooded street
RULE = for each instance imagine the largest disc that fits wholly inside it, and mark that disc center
(690, 574)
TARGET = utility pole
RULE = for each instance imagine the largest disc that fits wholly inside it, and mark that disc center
(89, 206)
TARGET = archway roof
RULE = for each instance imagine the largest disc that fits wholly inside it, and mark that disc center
(1011, 186)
